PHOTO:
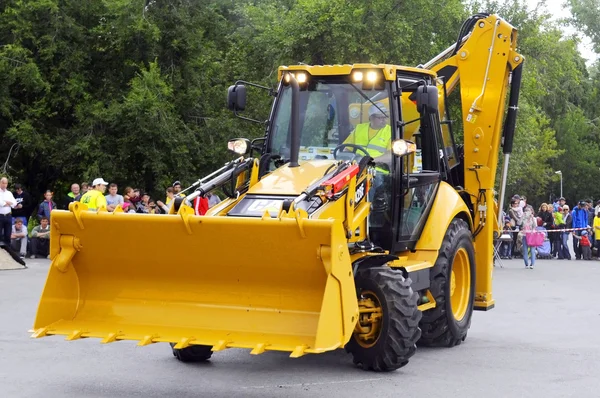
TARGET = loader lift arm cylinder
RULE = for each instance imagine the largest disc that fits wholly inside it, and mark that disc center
(509, 132)
(231, 172)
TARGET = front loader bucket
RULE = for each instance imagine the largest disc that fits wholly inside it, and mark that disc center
(264, 284)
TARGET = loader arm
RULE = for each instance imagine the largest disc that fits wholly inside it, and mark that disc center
(482, 63)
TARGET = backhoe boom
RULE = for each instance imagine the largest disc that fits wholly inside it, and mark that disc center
(482, 64)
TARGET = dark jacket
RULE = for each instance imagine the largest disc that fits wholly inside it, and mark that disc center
(70, 198)
(44, 210)
(568, 220)
(25, 200)
(547, 219)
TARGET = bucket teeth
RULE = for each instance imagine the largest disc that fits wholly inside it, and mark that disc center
(298, 351)
(220, 346)
(183, 343)
(147, 340)
(41, 332)
(111, 338)
(259, 349)
(75, 335)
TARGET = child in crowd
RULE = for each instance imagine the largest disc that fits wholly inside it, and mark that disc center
(586, 247)
(505, 249)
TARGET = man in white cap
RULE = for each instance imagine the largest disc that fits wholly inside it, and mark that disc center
(94, 198)
(375, 136)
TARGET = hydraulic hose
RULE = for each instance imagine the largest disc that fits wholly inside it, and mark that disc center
(509, 132)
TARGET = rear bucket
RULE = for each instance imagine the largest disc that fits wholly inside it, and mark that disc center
(263, 284)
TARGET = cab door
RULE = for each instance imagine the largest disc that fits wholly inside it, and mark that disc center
(418, 175)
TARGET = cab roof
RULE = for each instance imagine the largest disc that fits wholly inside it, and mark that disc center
(389, 71)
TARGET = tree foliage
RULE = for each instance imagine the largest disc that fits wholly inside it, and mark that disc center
(586, 15)
(134, 90)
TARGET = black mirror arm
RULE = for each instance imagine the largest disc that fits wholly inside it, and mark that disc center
(269, 89)
(249, 119)
(402, 124)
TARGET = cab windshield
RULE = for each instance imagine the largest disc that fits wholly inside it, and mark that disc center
(334, 111)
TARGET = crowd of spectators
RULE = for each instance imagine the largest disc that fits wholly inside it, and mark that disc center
(558, 222)
(18, 210)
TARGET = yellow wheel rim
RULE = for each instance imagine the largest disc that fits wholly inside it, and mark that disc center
(460, 284)
(370, 319)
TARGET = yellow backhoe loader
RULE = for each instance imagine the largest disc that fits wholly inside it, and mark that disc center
(356, 222)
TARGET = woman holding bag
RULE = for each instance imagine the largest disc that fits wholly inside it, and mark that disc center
(527, 236)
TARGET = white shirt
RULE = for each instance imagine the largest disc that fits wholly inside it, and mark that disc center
(4, 197)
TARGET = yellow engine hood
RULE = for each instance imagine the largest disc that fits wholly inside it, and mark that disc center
(291, 180)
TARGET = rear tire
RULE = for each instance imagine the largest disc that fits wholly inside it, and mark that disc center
(193, 353)
(440, 327)
(399, 328)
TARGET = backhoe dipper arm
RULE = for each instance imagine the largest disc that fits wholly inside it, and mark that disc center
(482, 63)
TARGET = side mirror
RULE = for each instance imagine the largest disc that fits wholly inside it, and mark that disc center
(239, 146)
(236, 97)
(403, 147)
(427, 99)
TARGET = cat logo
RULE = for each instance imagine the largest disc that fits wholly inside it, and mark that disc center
(360, 192)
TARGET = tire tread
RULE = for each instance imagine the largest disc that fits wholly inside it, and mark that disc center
(435, 324)
(403, 331)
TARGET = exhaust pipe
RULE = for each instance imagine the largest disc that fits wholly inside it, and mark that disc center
(295, 120)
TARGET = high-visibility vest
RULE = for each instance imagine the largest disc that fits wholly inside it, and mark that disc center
(377, 145)
(93, 199)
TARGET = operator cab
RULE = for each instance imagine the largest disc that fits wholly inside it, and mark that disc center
(333, 110)
(347, 116)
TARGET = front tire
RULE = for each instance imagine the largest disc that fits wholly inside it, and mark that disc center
(390, 331)
(193, 353)
(453, 287)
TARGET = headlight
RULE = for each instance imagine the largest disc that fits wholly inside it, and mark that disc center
(301, 77)
(403, 147)
(240, 146)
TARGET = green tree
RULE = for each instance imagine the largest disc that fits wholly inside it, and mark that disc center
(586, 15)
(134, 90)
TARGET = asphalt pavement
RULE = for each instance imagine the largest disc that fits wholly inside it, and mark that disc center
(541, 340)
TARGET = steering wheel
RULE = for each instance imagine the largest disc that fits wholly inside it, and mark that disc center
(355, 148)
